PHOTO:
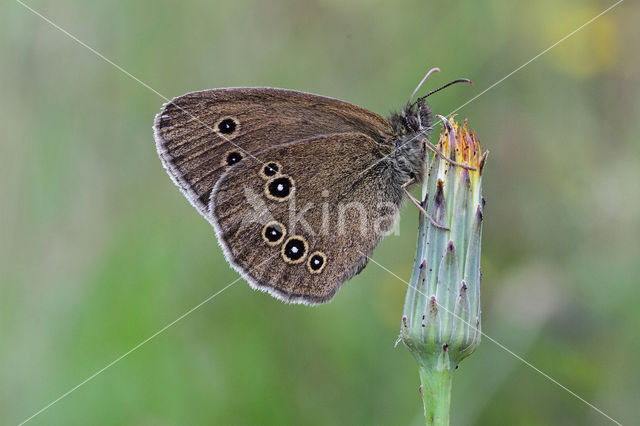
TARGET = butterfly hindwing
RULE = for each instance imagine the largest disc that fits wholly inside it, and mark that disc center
(201, 135)
(301, 218)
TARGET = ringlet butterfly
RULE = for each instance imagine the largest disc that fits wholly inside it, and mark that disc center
(300, 188)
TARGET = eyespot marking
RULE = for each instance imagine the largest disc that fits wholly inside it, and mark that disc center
(279, 188)
(270, 169)
(294, 249)
(317, 261)
(273, 233)
(227, 127)
(232, 157)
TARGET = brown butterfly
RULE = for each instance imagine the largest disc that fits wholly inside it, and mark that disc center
(300, 188)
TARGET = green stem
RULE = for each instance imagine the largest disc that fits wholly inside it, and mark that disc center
(436, 394)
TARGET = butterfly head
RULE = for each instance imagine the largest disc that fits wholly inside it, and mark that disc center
(417, 116)
(412, 126)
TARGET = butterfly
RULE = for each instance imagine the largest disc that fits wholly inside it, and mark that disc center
(300, 188)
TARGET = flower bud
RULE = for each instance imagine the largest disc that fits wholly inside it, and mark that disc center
(441, 318)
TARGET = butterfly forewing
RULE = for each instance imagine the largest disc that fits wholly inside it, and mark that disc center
(201, 135)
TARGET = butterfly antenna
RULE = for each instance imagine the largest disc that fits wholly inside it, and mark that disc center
(431, 71)
(460, 80)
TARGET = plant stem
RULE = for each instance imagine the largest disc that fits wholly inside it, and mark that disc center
(435, 383)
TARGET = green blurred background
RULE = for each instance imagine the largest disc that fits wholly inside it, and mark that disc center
(99, 250)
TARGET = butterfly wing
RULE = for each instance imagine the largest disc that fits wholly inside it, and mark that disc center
(302, 217)
(201, 134)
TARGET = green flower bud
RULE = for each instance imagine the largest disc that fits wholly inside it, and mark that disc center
(441, 318)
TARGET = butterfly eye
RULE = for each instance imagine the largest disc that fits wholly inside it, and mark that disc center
(413, 123)
(232, 157)
(316, 262)
(280, 188)
(226, 126)
(273, 233)
(294, 249)
(270, 169)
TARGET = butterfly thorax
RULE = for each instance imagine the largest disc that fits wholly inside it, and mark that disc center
(412, 127)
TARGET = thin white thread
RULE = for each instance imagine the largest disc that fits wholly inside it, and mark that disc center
(139, 345)
(507, 76)
(518, 357)
(91, 377)
(536, 57)
(128, 74)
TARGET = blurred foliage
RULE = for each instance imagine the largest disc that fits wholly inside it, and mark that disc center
(99, 250)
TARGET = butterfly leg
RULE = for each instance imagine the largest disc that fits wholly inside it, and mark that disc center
(419, 205)
(436, 151)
